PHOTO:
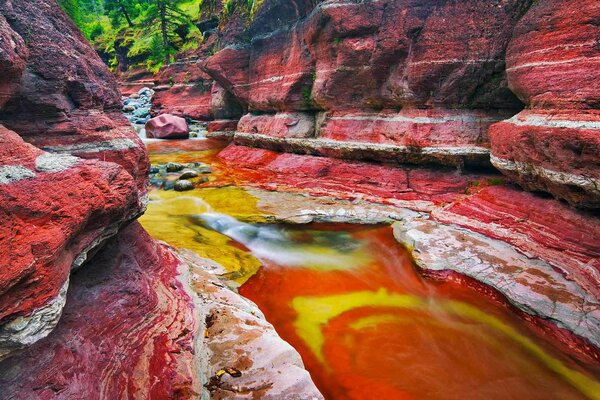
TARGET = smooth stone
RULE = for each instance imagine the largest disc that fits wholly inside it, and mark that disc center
(142, 112)
(188, 175)
(183, 185)
(174, 167)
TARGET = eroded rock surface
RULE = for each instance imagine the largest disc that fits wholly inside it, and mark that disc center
(553, 65)
(72, 171)
(142, 323)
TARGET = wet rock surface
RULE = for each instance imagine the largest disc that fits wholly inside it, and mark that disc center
(72, 172)
(210, 327)
(167, 126)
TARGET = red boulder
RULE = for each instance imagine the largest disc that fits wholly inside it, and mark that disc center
(167, 126)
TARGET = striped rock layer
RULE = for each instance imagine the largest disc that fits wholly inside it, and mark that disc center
(553, 65)
(145, 322)
(422, 82)
(539, 255)
(72, 171)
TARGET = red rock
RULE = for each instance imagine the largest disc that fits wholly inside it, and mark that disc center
(351, 60)
(55, 208)
(183, 90)
(283, 125)
(222, 125)
(542, 228)
(128, 330)
(553, 66)
(77, 205)
(167, 126)
(184, 100)
(410, 127)
(67, 100)
(417, 188)
(13, 54)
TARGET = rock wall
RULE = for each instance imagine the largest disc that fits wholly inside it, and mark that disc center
(72, 171)
(553, 65)
(422, 78)
(509, 83)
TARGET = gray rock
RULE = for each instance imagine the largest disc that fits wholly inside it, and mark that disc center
(142, 112)
(174, 167)
(188, 174)
(183, 185)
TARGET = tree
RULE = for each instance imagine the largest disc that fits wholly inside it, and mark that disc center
(71, 7)
(118, 9)
(169, 19)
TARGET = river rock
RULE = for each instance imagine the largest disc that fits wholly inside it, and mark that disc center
(173, 167)
(176, 323)
(183, 185)
(189, 174)
(167, 126)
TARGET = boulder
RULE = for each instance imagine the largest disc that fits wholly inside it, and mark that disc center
(77, 205)
(167, 126)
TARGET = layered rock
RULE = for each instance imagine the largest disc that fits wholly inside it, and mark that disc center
(67, 101)
(72, 171)
(184, 90)
(554, 67)
(140, 322)
(425, 92)
(536, 254)
(54, 210)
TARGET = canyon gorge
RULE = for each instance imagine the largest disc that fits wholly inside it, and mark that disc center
(321, 199)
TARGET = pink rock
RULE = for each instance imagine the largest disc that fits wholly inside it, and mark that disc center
(167, 126)
(72, 170)
(66, 101)
(283, 125)
(127, 312)
(183, 90)
(77, 205)
(554, 67)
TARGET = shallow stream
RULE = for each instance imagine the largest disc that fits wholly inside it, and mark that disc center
(367, 324)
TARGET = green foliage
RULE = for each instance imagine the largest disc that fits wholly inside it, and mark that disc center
(150, 30)
(307, 95)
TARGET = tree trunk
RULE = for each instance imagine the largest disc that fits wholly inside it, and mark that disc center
(163, 29)
(125, 13)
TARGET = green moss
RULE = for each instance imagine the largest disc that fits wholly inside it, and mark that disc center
(495, 181)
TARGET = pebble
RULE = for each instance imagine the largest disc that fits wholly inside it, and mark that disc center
(188, 174)
(174, 167)
(183, 185)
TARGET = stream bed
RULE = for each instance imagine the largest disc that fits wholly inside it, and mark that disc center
(349, 299)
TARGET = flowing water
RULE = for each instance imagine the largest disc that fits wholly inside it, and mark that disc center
(349, 299)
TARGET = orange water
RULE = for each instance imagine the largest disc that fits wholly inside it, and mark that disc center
(373, 327)
(394, 351)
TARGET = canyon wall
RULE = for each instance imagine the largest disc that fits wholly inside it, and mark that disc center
(72, 171)
(90, 305)
(513, 84)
